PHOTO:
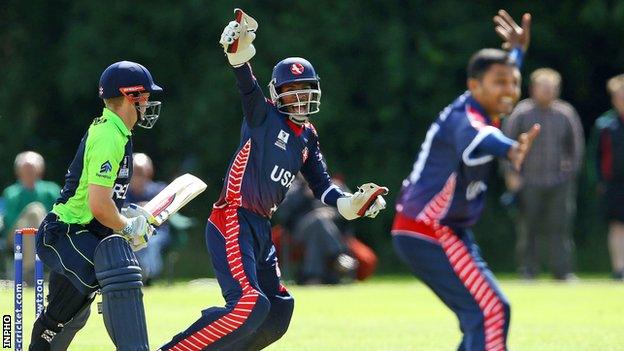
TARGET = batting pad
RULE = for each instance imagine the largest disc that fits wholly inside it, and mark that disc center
(119, 275)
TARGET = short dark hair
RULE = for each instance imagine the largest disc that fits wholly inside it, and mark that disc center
(483, 59)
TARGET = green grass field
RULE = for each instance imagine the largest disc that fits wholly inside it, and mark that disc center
(391, 314)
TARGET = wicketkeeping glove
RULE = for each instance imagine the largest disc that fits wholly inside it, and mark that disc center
(137, 231)
(237, 37)
(367, 201)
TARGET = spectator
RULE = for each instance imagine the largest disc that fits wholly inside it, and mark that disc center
(609, 140)
(547, 183)
(321, 234)
(142, 189)
(26, 203)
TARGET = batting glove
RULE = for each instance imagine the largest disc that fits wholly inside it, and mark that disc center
(366, 202)
(137, 231)
(134, 210)
(237, 37)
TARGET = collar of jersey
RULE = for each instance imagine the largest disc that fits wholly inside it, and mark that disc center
(117, 121)
(477, 106)
(296, 128)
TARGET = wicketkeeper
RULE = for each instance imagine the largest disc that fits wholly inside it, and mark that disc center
(277, 142)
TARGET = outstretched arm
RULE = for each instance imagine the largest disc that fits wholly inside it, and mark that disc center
(366, 202)
(314, 170)
(236, 39)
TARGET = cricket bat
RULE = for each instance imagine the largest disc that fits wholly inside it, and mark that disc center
(173, 197)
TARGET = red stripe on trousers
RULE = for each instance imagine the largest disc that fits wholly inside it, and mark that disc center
(226, 221)
(466, 270)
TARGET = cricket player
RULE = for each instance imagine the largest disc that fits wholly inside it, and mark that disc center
(445, 193)
(277, 142)
(85, 240)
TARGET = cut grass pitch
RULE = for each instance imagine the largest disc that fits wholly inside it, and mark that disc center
(389, 314)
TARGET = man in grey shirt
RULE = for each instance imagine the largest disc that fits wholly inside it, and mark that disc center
(547, 183)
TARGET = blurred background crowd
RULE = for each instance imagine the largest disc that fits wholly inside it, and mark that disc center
(387, 68)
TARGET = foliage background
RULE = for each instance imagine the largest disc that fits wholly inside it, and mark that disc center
(387, 68)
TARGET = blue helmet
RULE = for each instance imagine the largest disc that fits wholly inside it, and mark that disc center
(130, 79)
(296, 70)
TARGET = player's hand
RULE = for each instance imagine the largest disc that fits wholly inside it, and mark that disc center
(513, 181)
(237, 38)
(134, 210)
(518, 152)
(512, 34)
(139, 243)
(367, 201)
(137, 231)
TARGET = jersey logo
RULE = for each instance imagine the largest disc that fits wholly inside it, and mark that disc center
(120, 191)
(106, 167)
(282, 176)
(124, 171)
(304, 154)
(271, 255)
(282, 139)
(99, 120)
(474, 189)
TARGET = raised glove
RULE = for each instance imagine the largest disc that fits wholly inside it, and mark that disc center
(137, 231)
(237, 37)
(367, 201)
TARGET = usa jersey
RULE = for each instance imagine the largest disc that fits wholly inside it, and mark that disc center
(272, 151)
(448, 180)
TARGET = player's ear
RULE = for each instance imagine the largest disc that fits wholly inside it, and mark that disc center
(474, 85)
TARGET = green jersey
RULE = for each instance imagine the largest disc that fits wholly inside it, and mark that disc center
(104, 157)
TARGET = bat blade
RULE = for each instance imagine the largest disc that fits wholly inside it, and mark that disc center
(173, 197)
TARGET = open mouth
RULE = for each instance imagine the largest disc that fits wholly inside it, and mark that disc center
(507, 100)
(299, 108)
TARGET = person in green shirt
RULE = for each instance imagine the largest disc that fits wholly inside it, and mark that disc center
(26, 204)
(87, 241)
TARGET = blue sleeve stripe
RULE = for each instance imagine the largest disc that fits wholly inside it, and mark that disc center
(489, 142)
(517, 56)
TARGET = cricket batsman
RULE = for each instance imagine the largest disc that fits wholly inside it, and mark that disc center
(85, 240)
(277, 142)
(444, 194)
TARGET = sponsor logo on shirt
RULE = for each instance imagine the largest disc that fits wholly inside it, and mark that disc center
(106, 167)
(282, 139)
(124, 171)
(119, 191)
